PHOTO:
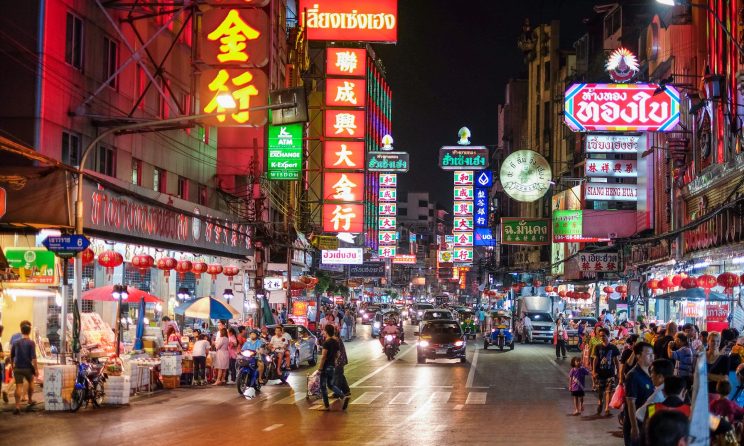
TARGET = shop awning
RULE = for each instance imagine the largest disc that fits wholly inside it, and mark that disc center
(693, 294)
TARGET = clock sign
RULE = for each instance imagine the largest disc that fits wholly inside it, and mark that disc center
(525, 175)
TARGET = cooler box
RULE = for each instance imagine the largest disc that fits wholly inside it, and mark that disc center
(59, 380)
(117, 389)
(170, 365)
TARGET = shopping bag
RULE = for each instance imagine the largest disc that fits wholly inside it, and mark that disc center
(313, 384)
(618, 398)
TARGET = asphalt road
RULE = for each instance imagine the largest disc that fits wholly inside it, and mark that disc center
(512, 397)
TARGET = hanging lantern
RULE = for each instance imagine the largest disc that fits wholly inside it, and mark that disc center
(586, 296)
(728, 280)
(183, 267)
(688, 283)
(142, 262)
(653, 285)
(214, 270)
(666, 283)
(571, 294)
(608, 290)
(110, 260)
(198, 268)
(231, 271)
(536, 283)
(678, 278)
(166, 264)
(561, 294)
(706, 282)
(87, 256)
(549, 289)
(622, 289)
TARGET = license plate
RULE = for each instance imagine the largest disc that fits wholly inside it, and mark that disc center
(441, 351)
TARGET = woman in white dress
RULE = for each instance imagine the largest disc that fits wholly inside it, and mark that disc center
(222, 357)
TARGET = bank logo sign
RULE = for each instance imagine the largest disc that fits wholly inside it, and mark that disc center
(285, 152)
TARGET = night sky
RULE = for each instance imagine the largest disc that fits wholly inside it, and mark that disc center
(449, 70)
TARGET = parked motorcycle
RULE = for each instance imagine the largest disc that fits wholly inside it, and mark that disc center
(88, 386)
(271, 371)
(392, 346)
(248, 376)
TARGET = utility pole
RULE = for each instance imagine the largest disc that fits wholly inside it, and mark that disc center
(289, 228)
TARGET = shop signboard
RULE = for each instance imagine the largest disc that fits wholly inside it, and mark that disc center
(618, 144)
(3, 202)
(717, 312)
(34, 266)
(463, 208)
(345, 92)
(525, 231)
(484, 178)
(346, 62)
(481, 208)
(273, 283)
(329, 242)
(342, 256)
(346, 217)
(387, 237)
(484, 237)
(459, 157)
(463, 239)
(388, 194)
(285, 152)
(557, 256)
(525, 175)
(387, 223)
(343, 155)
(610, 168)
(350, 20)
(611, 192)
(343, 186)
(567, 225)
(66, 246)
(344, 124)
(367, 269)
(444, 258)
(463, 255)
(599, 262)
(621, 108)
(463, 193)
(387, 161)
(405, 259)
(389, 180)
(464, 177)
(388, 209)
(387, 252)
(463, 224)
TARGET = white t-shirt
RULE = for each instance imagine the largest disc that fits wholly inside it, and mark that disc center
(280, 343)
(200, 348)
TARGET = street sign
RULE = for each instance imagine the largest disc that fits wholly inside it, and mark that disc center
(66, 245)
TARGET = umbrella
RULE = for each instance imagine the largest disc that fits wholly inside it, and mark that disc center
(211, 308)
(104, 294)
(693, 294)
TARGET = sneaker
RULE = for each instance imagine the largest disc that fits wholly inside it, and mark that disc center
(347, 398)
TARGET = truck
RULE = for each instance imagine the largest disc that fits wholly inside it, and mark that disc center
(540, 311)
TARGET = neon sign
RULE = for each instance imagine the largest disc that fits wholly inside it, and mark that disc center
(351, 20)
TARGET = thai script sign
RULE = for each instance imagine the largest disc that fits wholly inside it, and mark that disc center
(621, 108)
(717, 312)
(614, 143)
(387, 162)
(351, 20)
(613, 192)
(525, 231)
(405, 259)
(457, 157)
(611, 168)
(525, 175)
(567, 225)
(599, 262)
(367, 269)
(342, 256)
(32, 265)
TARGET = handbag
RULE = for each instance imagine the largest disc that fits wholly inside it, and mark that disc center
(618, 398)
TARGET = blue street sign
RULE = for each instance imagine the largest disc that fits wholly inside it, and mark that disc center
(484, 178)
(480, 211)
(484, 237)
(66, 245)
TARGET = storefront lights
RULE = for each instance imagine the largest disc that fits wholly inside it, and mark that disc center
(120, 292)
(228, 294)
(183, 293)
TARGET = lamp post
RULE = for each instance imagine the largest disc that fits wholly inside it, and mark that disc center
(225, 101)
(119, 293)
(227, 295)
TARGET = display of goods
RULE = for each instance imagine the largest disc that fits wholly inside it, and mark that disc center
(117, 390)
(171, 382)
(214, 270)
(183, 267)
(689, 283)
(170, 365)
(143, 262)
(230, 271)
(59, 381)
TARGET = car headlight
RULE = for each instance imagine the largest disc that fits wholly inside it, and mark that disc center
(420, 313)
(377, 325)
(389, 337)
(493, 330)
(459, 343)
(405, 314)
(247, 353)
(365, 316)
(424, 343)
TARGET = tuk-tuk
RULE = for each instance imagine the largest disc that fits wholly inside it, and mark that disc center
(466, 317)
(501, 335)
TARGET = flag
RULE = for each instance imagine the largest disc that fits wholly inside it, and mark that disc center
(700, 418)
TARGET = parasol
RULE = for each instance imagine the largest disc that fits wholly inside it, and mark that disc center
(104, 294)
(211, 308)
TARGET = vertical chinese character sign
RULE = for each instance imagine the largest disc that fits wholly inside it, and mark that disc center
(234, 44)
(462, 229)
(388, 209)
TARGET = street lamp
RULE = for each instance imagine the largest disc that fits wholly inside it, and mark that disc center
(183, 293)
(227, 295)
(709, 11)
(119, 293)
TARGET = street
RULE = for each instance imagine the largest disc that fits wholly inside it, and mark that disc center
(510, 397)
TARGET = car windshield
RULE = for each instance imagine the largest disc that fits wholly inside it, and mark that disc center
(292, 332)
(423, 306)
(440, 329)
(540, 317)
(437, 315)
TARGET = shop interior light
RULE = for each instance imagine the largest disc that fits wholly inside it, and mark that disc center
(146, 321)
(666, 2)
(120, 292)
(703, 264)
(737, 260)
(58, 299)
(20, 292)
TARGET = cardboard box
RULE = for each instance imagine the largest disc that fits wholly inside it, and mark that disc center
(59, 380)
(171, 382)
(117, 390)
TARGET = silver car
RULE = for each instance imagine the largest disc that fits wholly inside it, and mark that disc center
(304, 346)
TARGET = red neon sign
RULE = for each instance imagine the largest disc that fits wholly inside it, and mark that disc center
(351, 20)
(345, 92)
(346, 62)
(341, 186)
(344, 124)
(344, 217)
(347, 155)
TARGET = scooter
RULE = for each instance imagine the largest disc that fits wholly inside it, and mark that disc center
(392, 346)
(248, 379)
(271, 369)
(88, 386)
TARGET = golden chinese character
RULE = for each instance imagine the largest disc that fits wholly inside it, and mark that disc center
(342, 213)
(343, 157)
(346, 93)
(345, 121)
(242, 95)
(233, 32)
(344, 188)
(346, 61)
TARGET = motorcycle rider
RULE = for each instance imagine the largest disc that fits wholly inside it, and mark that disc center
(280, 344)
(257, 345)
(390, 328)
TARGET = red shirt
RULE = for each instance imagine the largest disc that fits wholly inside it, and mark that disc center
(724, 407)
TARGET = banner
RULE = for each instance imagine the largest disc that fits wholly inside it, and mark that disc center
(599, 262)
(604, 143)
(342, 256)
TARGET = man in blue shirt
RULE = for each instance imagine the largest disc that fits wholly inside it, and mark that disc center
(638, 387)
(256, 344)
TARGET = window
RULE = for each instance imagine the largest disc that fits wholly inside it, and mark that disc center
(183, 188)
(74, 41)
(423, 203)
(136, 171)
(423, 217)
(402, 212)
(159, 179)
(107, 161)
(546, 78)
(202, 195)
(613, 22)
(71, 148)
(110, 61)
(431, 212)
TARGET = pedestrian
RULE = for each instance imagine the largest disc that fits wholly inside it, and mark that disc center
(660, 369)
(232, 350)
(527, 327)
(627, 358)
(604, 371)
(199, 354)
(339, 376)
(482, 319)
(580, 331)
(638, 388)
(693, 338)
(275, 315)
(560, 336)
(327, 367)
(719, 364)
(723, 406)
(674, 393)
(667, 428)
(222, 357)
(660, 346)
(25, 368)
(2, 367)
(680, 352)
(650, 333)
(242, 337)
(576, 379)
(348, 325)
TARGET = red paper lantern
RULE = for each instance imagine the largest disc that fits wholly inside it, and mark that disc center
(166, 264)
(548, 289)
(608, 290)
(653, 285)
(666, 283)
(677, 279)
(571, 294)
(198, 268)
(622, 289)
(183, 267)
(561, 294)
(586, 296)
(143, 262)
(87, 256)
(706, 282)
(110, 260)
(728, 280)
(741, 279)
(231, 271)
(689, 283)
(214, 270)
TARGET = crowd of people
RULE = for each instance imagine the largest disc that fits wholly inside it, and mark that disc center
(647, 372)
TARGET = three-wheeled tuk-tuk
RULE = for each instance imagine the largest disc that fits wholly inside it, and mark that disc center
(501, 331)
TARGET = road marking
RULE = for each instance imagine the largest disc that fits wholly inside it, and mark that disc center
(424, 387)
(440, 428)
(473, 364)
(292, 399)
(459, 407)
(367, 398)
(476, 398)
(403, 398)
(439, 398)
(380, 369)
(272, 427)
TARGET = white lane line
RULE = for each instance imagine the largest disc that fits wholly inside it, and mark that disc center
(439, 398)
(367, 398)
(403, 398)
(380, 369)
(459, 407)
(272, 427)
(473, 365)
(292, 399)
(476, 398)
